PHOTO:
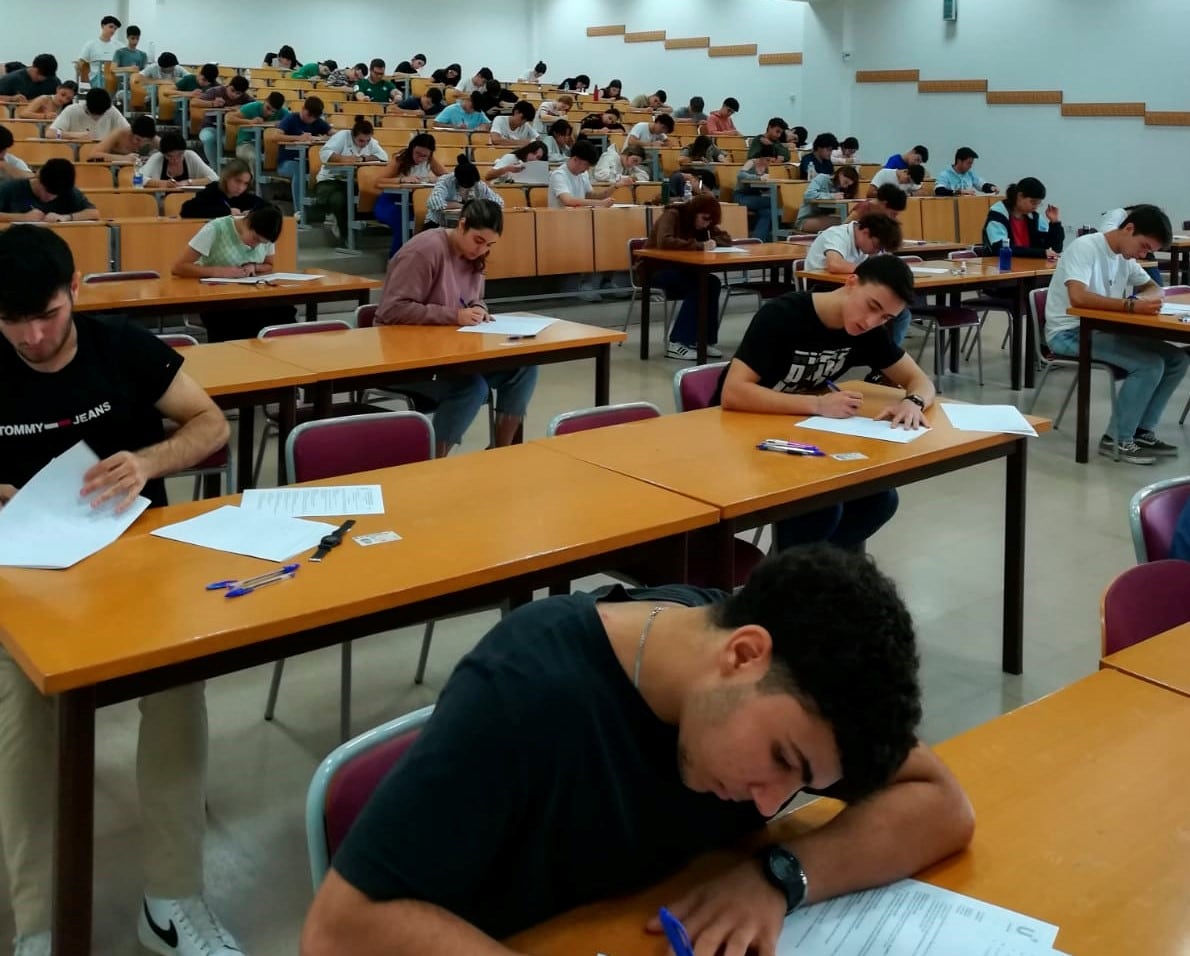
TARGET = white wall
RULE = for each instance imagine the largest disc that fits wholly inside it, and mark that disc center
(60, 29)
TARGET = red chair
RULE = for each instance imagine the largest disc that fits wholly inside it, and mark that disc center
(94, 277)
(669, 301)
(331, 447)
(346, 780)
(944, 322)
(1145, 600)
(578, 421)
(218, 464)
(1153, 515)
(694, 387)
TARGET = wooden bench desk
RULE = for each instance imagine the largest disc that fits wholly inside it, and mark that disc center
(1163, 660)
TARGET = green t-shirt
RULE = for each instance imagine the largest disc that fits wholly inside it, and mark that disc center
(306, 71)
(129, 57)
(255, 110)
(377, 92)
(188, 83)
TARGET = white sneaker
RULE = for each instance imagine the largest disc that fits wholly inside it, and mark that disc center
(333, 227)
(184, 927)
(713, 351)
(683, 353)
(35, 945)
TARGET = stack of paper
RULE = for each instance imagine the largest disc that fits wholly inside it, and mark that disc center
(257, 280)
(315, 502)
(254, 533)
(861, 427)
(929, 270)
(988, 418)
(48, 524)
(729, 249)
(1174, 308)
(511, 323)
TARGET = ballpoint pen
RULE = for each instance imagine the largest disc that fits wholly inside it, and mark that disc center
(786, 443)
(675, 932)
(831, 385)
(237, 588)
(789, 450)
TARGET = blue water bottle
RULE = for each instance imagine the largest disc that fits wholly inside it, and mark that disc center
(1005, 258)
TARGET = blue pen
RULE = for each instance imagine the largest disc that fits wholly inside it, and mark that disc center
(251, 582)
(247, 588)
(831, 385)
(675, 932)
(790, 450)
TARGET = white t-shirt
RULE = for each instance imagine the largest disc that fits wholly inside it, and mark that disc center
(195, 168)
(556, 152)
(1112, 219)
(343, 144)
(840, 239)
(1089, 260)
(468, 86)
(13, 165)
(889, 176)
(644, 135)
(529, 76)
(562, 180)
(501, 127)
(76, 119)
(96, 52)
(508, 159)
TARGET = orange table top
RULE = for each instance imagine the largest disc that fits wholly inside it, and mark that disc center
(676, 451)
(978, 270)
(1163, 660)
(142, 603)
(760, 253)
(395, 348)
(222, 368)
(142, 293)
(1080, 810)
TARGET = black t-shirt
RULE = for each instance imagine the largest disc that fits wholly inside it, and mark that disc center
(542, 782)
(20, 83)
(105, 396)
(405, 67)
(787, 345)
(213, 203)
(17, 196)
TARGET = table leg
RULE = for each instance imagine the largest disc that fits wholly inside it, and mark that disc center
(299, 187)
(1014, 558)
(219, 129)
(286, 423)
(74, 835)
(324, 393)
(1028, 365)
(774, 213)
(258, 160)
(603, 375)
(406, 215)
(350, 237)
(703, 317)
(646, 295)
(1082, 401)
(244, 446)
(1016, 339)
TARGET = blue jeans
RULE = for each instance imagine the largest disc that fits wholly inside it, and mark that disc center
(762, 205)
(684, 284)
(467, 393)
(287, 168)
(1154, 371)
(388, 211)
(899, 326)
(847, 525)
(213, 149)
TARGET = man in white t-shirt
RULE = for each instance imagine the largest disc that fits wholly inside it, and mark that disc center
(101, 50)
(651, 134)
(94, 118)
(516, 129)
(1100, 271)
(570, 184)
(908, 180)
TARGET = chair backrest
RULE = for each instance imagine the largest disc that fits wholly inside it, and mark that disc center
(1153, 515)
(129, 276)
(365, 316)
(1037, 299)
(346, 779)
(1176, 290)
(303, 328)
(1144, 601)
(178, 340)
(330, 447)
(694, 387)
(585, 418)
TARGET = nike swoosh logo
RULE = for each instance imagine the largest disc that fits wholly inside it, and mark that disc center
(167, 936)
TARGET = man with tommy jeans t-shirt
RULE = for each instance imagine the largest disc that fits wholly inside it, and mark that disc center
(66, 379)
(786, 364)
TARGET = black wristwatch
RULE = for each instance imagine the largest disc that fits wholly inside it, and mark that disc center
(332, 540)
(784, 871)
(916, 400)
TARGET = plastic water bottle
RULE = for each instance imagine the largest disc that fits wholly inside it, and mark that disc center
(138, 174)
(1005, 259)
(687, 193)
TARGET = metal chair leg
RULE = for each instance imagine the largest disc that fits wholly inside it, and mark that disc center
(979, 353)
(264, 441)
(628, 317)
(425, 653)
(345, 694)
(274, 688)
(1182, 420)
(1065, 402)
(1037, 388)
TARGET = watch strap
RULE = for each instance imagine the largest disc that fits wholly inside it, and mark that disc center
(916, 400)
(332, 540)
(784, 871)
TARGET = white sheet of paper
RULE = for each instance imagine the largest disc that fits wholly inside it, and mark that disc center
(863, 428)
(511, 323)
(49, 525)
(729, 249)
(254, 533)
(271, 277)
(910, 918)
(315, 502)
(929, 270)
(535, 173)
(988, 418)
(1174, 308)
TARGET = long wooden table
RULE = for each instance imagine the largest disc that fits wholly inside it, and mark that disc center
(772, 255)
(1163, 660)
(116, 640)
(1165, 327)
(980, 273)
(1081, 811)
(711, 455)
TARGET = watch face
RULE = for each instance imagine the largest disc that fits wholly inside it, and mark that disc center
(329, 540)
(782, 867)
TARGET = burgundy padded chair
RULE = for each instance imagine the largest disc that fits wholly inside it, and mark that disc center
(1153, 514)
(578, 421)
(93, 277)
(694, 387)
(670, 302)
(216, 465)
(944, 322)
(1145, 600)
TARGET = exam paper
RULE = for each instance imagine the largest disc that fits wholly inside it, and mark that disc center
(535, 173)
(48, 524)
(254, 533)
(729, 249)
(1174, 308)
(929, 270)
(315, 502)
(863, 428)
(911, 918)
(511, 323)
(988, 418)
(269, 277)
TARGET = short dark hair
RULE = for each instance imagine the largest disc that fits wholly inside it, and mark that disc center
(110, 19)
(419, 56)
(824, 140)
(849, 142)
(68, 84)
(916, 173)
(922, 152)
(98, 101)
(239, 83)
(778, 122)
(276, 99)
(884, 229)
(697, 103)
(209, 72)
(732, 104)
(1151, 221)
(482, 214)
(6, 138)
(46, 63)
(361, 66)
(661, 95)
(172, 142)
(434, 94)
(314, 106)
(35, 265)
(801, 133)
(525, 109)
(331, 64)
(376, 63)
(540, 67)
(889, 271)
(485, 72)
(266, 221)
(583, 79)
(466, 175)
(167, 60)
(57, 176)
(132, 31)
(584, 150)
(665, 120)
(560, 127)
(144, 126)
(857, 671)
(964, 153)
(893, 196)
(362, 127)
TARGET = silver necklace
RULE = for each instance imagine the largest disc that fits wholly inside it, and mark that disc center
(640, 648)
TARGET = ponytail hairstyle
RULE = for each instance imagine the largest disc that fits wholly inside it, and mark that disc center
(1029, 187)
(405, 160)
(466, 175)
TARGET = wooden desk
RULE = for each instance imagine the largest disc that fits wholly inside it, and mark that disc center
(565, 241)
(752, 488)
(1165, 327)
(980, 273)
(387, 355)
(1163, 660)
(516, 252)
(1080, 808)
(84, 651)
(612, 230)
(776, 255)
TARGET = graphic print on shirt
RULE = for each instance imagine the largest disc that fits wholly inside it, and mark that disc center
(36, 428)
(811, 369)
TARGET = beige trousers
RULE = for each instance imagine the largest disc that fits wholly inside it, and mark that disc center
(171, 768)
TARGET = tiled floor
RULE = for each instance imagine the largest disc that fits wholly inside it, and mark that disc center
(944, 549)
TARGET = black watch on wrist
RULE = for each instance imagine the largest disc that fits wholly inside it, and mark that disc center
(916, 400)
(784, 871)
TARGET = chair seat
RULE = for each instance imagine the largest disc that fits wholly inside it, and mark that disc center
(947, 316)
(1067, 361)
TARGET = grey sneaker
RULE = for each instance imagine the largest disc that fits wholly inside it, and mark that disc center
(683, 353)
(1148, 441)
(1128, 451)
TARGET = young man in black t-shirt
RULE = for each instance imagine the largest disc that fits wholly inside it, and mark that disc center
(592, 744)
(66, 379)
(793, 350)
